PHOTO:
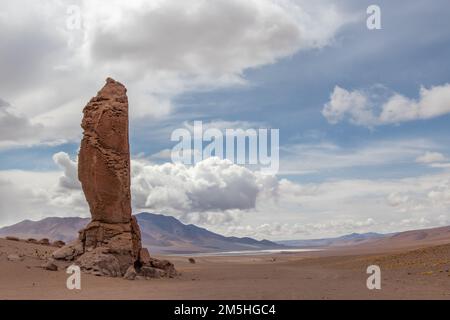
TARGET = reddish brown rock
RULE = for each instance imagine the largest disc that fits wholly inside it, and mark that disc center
(144, 256)
(104, 158)
(44, 242)
(58, 243)
(111, 243)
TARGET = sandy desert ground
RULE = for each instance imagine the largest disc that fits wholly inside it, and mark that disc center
(413, 273)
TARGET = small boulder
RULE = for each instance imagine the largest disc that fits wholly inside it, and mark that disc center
(165, 265)
(69, 252)
(50, 266)
(151, 273)
(130, 274)
(58, 243)
(144, 256)
(12, 238)
(31, 240)
(191, 260)
(44, 242)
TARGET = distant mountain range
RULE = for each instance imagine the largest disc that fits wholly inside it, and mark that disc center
(166, 234)
(412, 238)
(347, 240)
(160, 233)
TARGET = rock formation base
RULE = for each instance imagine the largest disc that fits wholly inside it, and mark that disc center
(114, 250)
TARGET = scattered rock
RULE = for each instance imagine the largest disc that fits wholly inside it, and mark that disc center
(31, 240)
(69, 252)
(12, 238)
(151, 273)
(15, 257)
(191, 260)
(44, 241)
(50, 266)
(58, 243)
(165, 265)
(130, 274)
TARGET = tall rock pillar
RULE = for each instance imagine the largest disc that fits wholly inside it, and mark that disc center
(111, 243)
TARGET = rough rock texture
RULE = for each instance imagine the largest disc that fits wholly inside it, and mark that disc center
(104, 158)
(58, 243)
(130, 274)
(44, 242)
(69, 252)
(111, 243)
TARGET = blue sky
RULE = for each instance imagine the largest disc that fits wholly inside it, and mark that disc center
(285, 86)
(406, 54)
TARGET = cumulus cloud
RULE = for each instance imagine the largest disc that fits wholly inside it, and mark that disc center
(212, 190)
(359, 108)
(432, 103)
(210, 185)
(396, 199)
(351, 104)
(69, 179)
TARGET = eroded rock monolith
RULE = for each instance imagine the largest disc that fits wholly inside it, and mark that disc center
(111, 243)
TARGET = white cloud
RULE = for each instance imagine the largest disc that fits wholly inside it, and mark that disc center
(433, 102)
(397, 199)
(360, 109)
(211, 185)
(286, 231)
(353, 105)
(213, 191)
(69, 180)
(220, 38)
(431, 157)
(159, 49)
(36, 195)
